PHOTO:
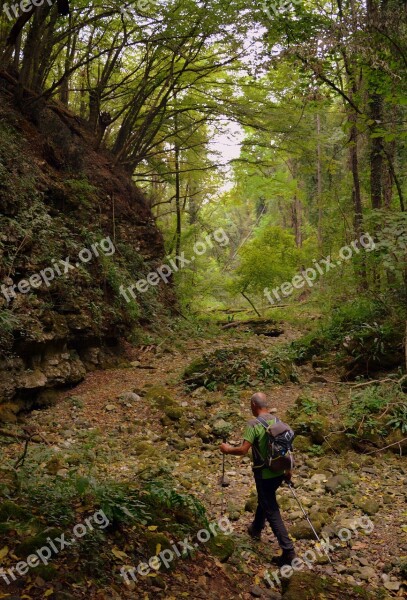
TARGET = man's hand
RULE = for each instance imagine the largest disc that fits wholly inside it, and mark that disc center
(288, 477)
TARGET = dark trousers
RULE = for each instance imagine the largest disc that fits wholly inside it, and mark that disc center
(269, 510)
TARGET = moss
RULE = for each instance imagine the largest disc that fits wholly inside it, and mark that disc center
(11, 511)
(34, 542)
(308, 586)
(337, 442)
(46, 572)
(302, 530)
(173, 412)
(302, 443)
(221, 546)
(155, 542)
(160, 397)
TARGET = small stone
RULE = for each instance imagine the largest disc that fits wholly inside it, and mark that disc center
(340, 568)
(366, 573)
(256, 591)
(335, 483)
(130, 397)
(110, 407)
(392, 586)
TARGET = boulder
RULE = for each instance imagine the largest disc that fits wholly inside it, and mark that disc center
(303, 531)
(336, 483)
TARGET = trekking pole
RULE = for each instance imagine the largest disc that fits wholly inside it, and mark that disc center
(223, 483)
(290, 485)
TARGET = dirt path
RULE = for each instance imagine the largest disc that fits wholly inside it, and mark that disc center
(94, 408)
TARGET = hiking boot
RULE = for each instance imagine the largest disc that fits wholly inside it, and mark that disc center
(285, 558)
(254, 533)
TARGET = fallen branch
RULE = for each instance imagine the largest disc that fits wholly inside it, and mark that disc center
(24, 438)
(389, 446)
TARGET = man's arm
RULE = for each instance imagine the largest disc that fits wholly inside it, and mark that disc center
(236, 450)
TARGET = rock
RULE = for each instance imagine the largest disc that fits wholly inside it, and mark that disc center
(392, 586)
(251, 503)
(221, 428)
(302, 530)
(256, 591)
(302, 443)
(366, 573)
(135, 363)
(369, 470)
(221, 546)
(110, 407)
(336, 483)
(173, 412)
(318, 478)
(304, 585)
(340, 568)
(367, 505)
(198, 392)
(130, 397)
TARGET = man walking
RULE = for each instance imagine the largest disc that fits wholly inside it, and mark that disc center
(267, 482)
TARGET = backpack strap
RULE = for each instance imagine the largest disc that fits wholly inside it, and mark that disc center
(264, 422)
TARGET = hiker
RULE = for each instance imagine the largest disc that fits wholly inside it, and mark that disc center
(267, 482)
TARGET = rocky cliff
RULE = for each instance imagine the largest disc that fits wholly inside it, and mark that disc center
(73, 229)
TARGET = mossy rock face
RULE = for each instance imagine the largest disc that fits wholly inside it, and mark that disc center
(221, 546)
(316, 427)
(33, 543)
(308, 586)
(173, 412)
(337, 442)
(302, 443)
(160, 397)
(398, 440)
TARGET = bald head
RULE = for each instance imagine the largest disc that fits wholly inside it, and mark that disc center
(258, 403)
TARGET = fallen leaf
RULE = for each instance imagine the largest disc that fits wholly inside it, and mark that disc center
(119, 554)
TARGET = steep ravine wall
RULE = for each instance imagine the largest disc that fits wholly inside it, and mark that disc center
(58, 198)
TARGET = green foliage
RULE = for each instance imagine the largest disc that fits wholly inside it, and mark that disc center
(399, 418)
(269, 259)
(237, 367)
(363, 329)
(369, 411)
(81, 191)
(162, 495)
